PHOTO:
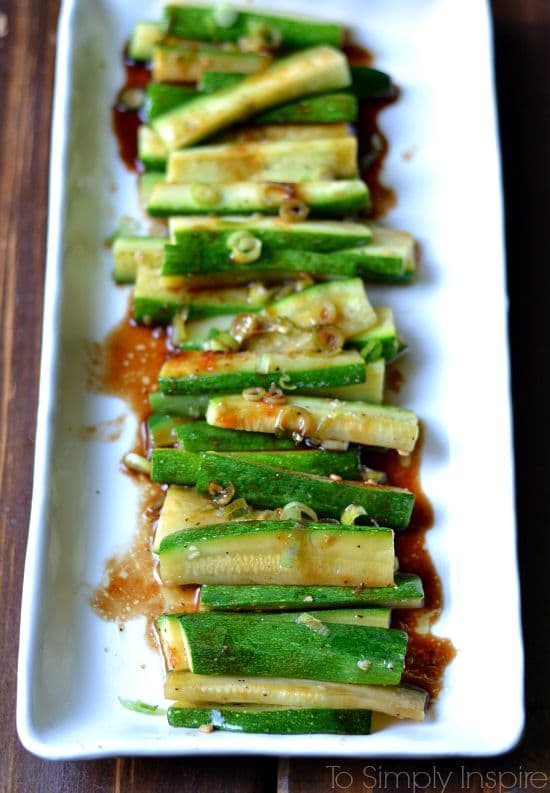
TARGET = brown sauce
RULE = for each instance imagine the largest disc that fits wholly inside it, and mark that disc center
(127, 364)
(427, 655)
(125, 121)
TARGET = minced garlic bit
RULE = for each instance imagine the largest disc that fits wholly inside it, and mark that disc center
(308, 599)
(311, 622)
(206, 728)
(364, 665)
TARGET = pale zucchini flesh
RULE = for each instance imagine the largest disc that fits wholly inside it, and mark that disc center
(327, 419)
(279, 552)
(326, 159)
(312, 71)
(343, 303)
(186, 63)
(397, 701)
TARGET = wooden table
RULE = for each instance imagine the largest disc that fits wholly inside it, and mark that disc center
(522, 39)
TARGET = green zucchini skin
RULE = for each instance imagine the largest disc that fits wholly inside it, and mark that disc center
(179, 467)
(160, 98)
(174, 467)
(407, 593)
(209, 245)
(347, 263)
(196, 22)
(202, 437)
(248, 644)
(279, 721)
(193, 407)
(367, 83)
(379, 341)
(325, 199)
(267, 487)
(199, 372)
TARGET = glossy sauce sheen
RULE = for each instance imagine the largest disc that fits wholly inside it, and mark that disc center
(127, 364)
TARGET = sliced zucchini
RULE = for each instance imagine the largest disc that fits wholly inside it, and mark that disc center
(201, 437)
(288, 645)
(186, 63)
(193, 407)
(211, 238)
(312, 71)
(341, 303)
(279, 552)
(173, 642)
(265, 486)
(151, 149)
(273, 720)
(392, 262)
(196, 372)
(161, 429)
(324, 199)
(180, 467)
(327, 419)
(372, 390)
(154, 302)
(128, 252)
(157, 299)
(406, 593)
(184, 508)
(397, 701)
(145, 36)
(232, 24)
(160, 98)
(380, 341)
(282, 161)
(174, 466)
(147, 182)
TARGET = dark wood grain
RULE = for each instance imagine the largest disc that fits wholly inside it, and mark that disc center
(522, 38)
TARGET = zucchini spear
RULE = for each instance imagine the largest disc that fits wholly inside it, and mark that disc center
(389, 257)
(286, 645)
(179, 467)
(186, 63)
(282, 552)
(406, 593)
(210, 238)
(325, 419)
(273, 720)
(311, 71)
(283, 161)
(397, 701)
(324, 199)
(217, 23)
(196, 372)
(266, 486)
(201, 437)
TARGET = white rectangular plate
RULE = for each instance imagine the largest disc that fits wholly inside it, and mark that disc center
(443, 165)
